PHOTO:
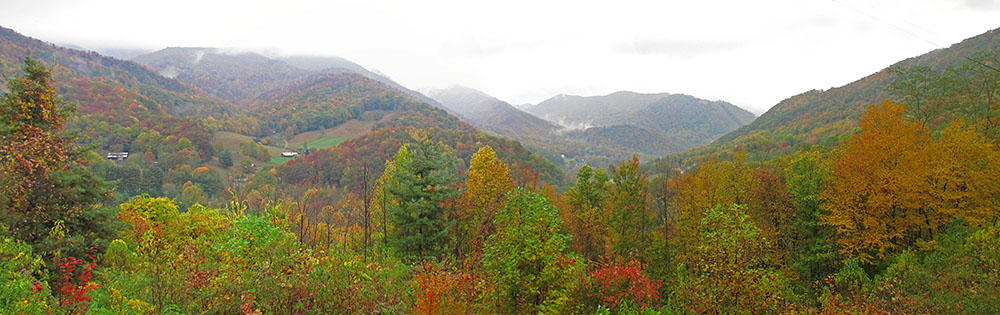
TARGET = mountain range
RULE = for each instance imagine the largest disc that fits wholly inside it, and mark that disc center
(600, 128)
(77, 71)
(662, 113)
(214, 101)
(648, 125)
(240, 76)
(491, 114)
(276, 99)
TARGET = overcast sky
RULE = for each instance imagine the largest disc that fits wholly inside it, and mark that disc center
(750, 53)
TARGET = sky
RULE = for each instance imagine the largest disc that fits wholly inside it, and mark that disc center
(750, 53)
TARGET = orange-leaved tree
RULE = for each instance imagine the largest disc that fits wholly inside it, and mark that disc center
(893, 184)
(874, 194)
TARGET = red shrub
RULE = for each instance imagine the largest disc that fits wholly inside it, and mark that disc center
(444, 292)
(74, 283)
(614, 283)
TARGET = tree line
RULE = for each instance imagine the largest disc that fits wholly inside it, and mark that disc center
(898, 217)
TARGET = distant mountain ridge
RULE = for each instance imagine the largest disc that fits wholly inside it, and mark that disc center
(600, 129)
(116, 99)
(291, 95)
(490, 113)
(678, 122)
(600, 110)
(349, 95)
(241, 76)
(120, 101)
(236, 77)
(640, 109)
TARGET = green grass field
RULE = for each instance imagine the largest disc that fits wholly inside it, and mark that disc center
(323, 143)
(279, 159)
(276, 157)
(231, 141)
(315, 140)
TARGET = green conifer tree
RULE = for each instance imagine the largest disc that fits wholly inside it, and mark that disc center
(422, 187)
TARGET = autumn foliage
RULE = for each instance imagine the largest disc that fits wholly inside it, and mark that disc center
(893, 184)
(486, 186)
(425, 214)
(441, 291)
(614, 284)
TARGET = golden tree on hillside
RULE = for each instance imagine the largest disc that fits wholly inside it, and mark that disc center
(893, 184)
(487, 184)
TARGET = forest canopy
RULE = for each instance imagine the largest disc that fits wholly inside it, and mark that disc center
(142, 210)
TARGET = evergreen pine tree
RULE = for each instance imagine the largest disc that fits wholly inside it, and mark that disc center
(423, 185)
(225, 158)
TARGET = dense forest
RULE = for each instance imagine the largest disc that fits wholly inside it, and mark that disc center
(894, 211)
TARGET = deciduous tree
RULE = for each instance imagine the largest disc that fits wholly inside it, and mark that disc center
(629, 221)
(728, 274)
(487, 184)
(587, 220)
(527, 260)
(892, 184)
(43, 179)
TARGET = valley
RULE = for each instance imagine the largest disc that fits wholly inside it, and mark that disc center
(217, 180)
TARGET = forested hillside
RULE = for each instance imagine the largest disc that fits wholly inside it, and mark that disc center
(121, 106)
(89, 68)
(337, 193)
(242, 76)
(238, 77)
(819, 116)
(882, 190)
(349, 95)
(666, 123)
(599, 130)
(324, 101)
(189, 145)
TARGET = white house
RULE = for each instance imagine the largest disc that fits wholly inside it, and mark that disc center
(117, 155)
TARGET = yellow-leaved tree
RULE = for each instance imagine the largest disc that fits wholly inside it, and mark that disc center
(485, 188)
(716, 182)
(964, 174)
(872, 190)
(893, 184)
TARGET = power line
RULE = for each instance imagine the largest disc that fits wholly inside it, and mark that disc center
(891, 24)
(983, 64)
(909, 32)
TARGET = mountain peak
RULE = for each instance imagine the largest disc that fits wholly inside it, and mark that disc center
(457, 96)
(241, 76)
